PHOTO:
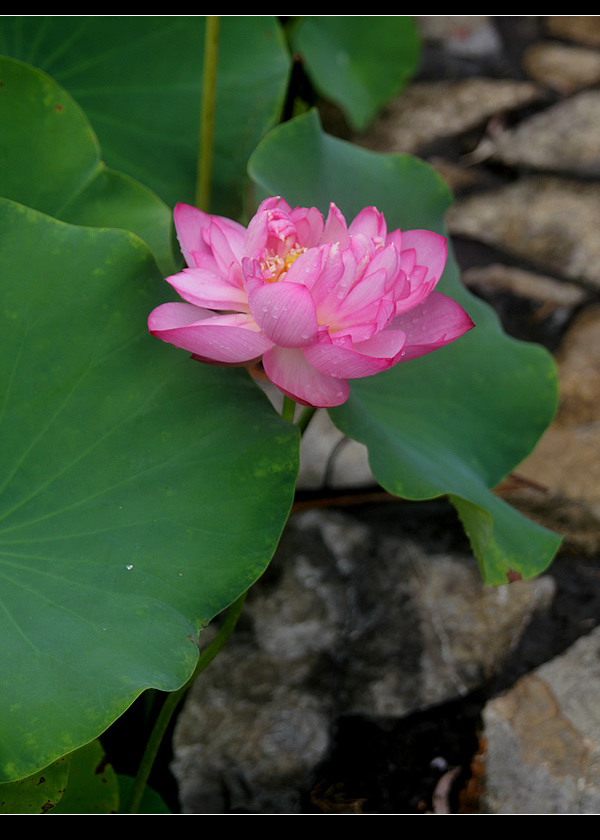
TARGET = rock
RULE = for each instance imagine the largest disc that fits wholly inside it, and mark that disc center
(526, 284)
(531, 306)
(579, 372)
(458, 178)
(583, 29)
(328, 459)
(248, 737)
(462, 35)
(565, 461)
(543, 738)
(348, 621)
(563, 138)
(430, 111)
(546, 222)
(563, 68)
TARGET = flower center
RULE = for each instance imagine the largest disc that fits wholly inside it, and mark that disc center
(274, 266)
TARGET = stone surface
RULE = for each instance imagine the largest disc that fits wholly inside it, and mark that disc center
(527, 285)
(582, 29)
(347, 622)
(328, 459)
(562, 67)
(429, 111)
(248, 737)
(462, 35)
(562, 138)
(546, 222)
(543, 738)
(566, 459)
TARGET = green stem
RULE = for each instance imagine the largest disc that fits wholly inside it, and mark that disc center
(288, 412)
(305, 418)
(289, 409)
(207, 117)
(173, 699)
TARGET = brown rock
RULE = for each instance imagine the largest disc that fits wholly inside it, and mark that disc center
(527, 284)
(566, 459)
(545, 221)
(428, 111)
(562, 68)
(579, 372)
(583, 29)
(563, 138)
(544, 734)
(543, 738)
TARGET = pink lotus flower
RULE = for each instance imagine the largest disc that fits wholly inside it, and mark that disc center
(319, 301)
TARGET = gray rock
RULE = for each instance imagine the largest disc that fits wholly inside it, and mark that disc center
(247, 737)
(345, 622)
(467, 36)
(329, 459)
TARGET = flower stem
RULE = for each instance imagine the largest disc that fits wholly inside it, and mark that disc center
(173, 699)
(288, 409)
(305, 418)
(207, 117)
(288, 412)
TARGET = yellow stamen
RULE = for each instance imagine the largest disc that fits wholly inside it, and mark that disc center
(274, 266)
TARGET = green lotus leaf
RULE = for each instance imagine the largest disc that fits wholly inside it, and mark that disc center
(457, 421)
(140, 492)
